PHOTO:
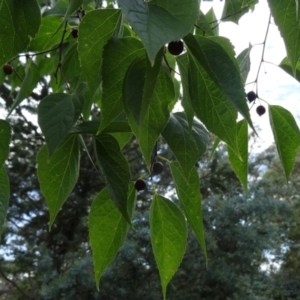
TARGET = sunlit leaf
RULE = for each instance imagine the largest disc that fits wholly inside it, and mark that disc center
(287, 136)
(58, 175)
(240, 164)
(188, 191)
(118, 54)
(186, 144)
(107, 230)
(287, 20)
(115, 169)
(168, 237)
(147, 129)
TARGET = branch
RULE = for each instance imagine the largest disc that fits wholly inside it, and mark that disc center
(263, 53)
(15, 285)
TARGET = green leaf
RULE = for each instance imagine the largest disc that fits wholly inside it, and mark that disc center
(212, 106)
(286, 66)
(5, 135)
(42, 40)
(122, 138)
(57, 113)
(91, 127)
(71, 67)
(168, 237)
(240, 164)
(250, 3)
(233, 10)
(90, 47)
(118, 54)
(4, 196)
(244, 62)
(59, 8)
(148, 129)
(186, 144)
(115, 169)
(173, 19)
(214, 58)
(30, 81)
(58, 175)
(287, 20)
(202, 24)
(213, 22)
(188, 191)
(20, 19)
(107, 230)
(183, 65)
(152, 73)
(287, 136)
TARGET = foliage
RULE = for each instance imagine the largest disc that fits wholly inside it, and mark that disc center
(60, 261)
(117, 80)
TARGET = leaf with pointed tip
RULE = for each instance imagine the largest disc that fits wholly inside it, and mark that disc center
(287, 136)
(240, 164)
(20, 20)
(57, 113)
(286, 66)
(173, 19)
(58, 175)
(5, 135)
(90, 47)
(4, 196)
(107, 230)
(122, 137)
(168, 237)
(202, 25)
(115, 169)
(287, 20)
(118, 54)
(188, 191)
(43, 40)
(244, 62)
(148, 129)
(214, 58)
(32, 76)
(212, 21)
(233, 10)
(188, 145)
(250, 3)
(211, 105)
(183, 65)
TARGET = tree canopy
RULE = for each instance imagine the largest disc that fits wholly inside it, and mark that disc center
(100, 73)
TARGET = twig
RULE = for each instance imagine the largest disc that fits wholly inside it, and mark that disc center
(262, 54)
(15, 285)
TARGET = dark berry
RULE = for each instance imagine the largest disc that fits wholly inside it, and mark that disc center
(157, 167)
(260, 110)
(140, 185)
(175, 48)
(8, 69)
(251, 96)
(74, 33)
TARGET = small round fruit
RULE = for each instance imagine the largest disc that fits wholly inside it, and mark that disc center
(74, 33)
(260, 110)
(175, 48)
(251, 96)
(8, 69)
(157, 167)
(140, 185)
